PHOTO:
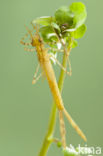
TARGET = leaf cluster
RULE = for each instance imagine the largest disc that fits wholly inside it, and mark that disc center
(67, 23)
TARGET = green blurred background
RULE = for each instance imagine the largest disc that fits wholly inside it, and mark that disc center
(24, 108)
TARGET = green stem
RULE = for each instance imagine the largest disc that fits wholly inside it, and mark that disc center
(48, 138)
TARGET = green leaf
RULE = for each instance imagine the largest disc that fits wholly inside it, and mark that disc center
(75, 44)
(48, 34)
(79, 33)
(52, 45)
(45, 20)
(55, 26)
(80, 14)
(70, 30)
(64, 16)
(69, 153)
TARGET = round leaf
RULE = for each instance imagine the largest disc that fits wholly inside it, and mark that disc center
(79, 33)
(80, 14)
(48, 34)
(75, 44)
(45, 20)
(64, 16)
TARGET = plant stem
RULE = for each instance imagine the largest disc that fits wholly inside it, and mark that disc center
(50, 131)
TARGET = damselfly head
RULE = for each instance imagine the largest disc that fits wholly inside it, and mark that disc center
(36, 40)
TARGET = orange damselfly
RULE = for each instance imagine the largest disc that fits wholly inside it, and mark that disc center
(46, 66)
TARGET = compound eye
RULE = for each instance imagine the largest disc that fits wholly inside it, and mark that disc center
(33, 42)
(40, 40)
